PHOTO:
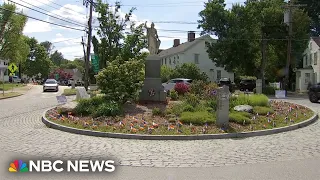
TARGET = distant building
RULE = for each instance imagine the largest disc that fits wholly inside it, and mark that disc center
(310, 72)
(194, 51)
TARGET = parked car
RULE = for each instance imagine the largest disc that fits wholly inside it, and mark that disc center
(168, 86)
(70, 81)
(51, 85)
(226, 82)
(16, 79)
(80, 83)
(314, 93)
(247, 84)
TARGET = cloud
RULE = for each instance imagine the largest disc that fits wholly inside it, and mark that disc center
(33, 26)
(28, 3)
(72, 15)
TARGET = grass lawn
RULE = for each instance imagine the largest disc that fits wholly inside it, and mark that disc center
(10, 94)
(69, 92)
(9, 86)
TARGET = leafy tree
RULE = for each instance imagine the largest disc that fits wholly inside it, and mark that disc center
(38, 61)
(113, 40)
(13, 46)
(313, 9)
(121, 80)
(48, 45)
(241, 31)
(57, 58)
(166, 73)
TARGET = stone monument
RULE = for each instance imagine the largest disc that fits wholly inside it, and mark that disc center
(82, 93)
(152, 89)
(223, 106)
(259, 86)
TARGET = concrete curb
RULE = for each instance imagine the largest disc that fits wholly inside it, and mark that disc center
(53, 125)
(11, 96)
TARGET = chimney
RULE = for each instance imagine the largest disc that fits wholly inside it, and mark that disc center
(191, 36)
(176, 42)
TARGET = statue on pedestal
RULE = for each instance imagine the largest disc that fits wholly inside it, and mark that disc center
(153, 39)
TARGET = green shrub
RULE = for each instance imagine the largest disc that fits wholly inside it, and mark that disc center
(269, 90)
(198, 118)
(188, 108)
(107, 109)
(192, 99)
(91, 105)
(176, 109)
(248, 78)
(121, 80)
(258, 100)
(212, 103)
(239, 118)
(252, 100)
(156, 112)
(174, 95)
(254, 90)
(262, 110)
(197, 87)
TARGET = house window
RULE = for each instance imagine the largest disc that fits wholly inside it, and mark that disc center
(307, 78)
(174, 61)
(218, 75)
(306, 60)
(310, 46)
(315, 58)
(310, 61)
(174, 58)
(165, 61)
(196, 58)
(170, 61)
(178, 57)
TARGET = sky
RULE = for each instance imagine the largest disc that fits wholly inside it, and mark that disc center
(68, 41)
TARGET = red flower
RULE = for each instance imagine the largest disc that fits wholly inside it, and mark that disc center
(181, 88)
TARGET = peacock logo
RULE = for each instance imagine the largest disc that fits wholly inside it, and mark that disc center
(18, 166)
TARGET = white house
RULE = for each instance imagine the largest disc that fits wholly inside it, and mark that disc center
(4, 71)
(194, 51)
(311, 66)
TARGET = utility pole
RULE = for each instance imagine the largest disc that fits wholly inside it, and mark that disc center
(84, 50)
(90, 3)
(288, 20)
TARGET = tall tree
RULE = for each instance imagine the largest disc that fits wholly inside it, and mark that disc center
(6, 14)
(313, 9)
(38, 61)
(113, 40)
(242, 31)
(48, 46)
(57, 58)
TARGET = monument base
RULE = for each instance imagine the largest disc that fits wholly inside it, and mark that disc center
(153, 90)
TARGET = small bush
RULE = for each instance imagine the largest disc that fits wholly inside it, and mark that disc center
(258, 100)
(69, 92)
(252, 100)
(107, 109)
(198, 118)
(269, 90)
(156, 112)
(174, 95)
(192, 99)
(188, 108)
(262, 110)
(212, 103)
(181, 88)
(176, 109)
(239, 118)
(198, 87)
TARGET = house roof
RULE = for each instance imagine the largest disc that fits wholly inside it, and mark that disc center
(183, 47)
(317, 40)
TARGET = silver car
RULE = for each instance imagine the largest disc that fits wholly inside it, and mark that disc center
(168, 86)
(51, 85)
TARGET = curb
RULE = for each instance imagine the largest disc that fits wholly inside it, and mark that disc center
(11, 96)
(53, 125)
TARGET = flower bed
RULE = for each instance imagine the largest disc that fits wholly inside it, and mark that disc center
(180, 118)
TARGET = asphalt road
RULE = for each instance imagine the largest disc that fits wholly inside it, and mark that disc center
(291, 155)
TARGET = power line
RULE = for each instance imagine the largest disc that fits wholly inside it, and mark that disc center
(50, 12)
(56, 7)
(46, 13)
(65, 40)
(64, 6)
(235, 39)
(178, 3)
(42, 20)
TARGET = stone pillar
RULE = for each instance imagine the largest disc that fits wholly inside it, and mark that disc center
(259, 86)
(152, 89)
(223, 106)
(73, 84)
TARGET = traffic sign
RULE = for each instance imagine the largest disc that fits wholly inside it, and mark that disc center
(12, 67)
(12, 74)
(95, 63)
